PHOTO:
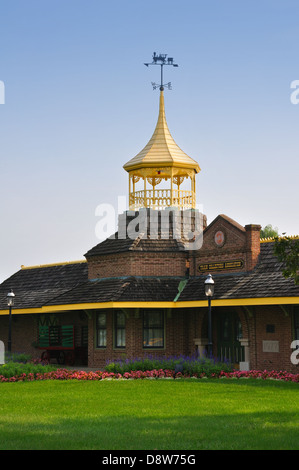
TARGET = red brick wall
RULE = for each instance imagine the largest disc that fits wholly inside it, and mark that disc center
(179, 337)
(239, 244)
(25, 330)
(182, 326)
(137, 264)
(23, 333)
(283, 324)
(252, 245)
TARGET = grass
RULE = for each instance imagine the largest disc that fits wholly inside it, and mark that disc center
(149, 414)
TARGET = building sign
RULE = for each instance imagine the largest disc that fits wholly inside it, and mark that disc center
(223, 265)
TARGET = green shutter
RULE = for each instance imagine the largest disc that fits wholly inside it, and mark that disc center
(56, 336)
(67, 333)
(43, 336)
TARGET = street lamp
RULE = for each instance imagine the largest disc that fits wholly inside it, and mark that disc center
(10, 302)
(209, 291)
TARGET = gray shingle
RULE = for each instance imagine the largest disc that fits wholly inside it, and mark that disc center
(68, 284)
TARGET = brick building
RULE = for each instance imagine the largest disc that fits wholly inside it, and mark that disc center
(141, 291)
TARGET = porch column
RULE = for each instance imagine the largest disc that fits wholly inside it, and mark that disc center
(201, 344)
(245, 365)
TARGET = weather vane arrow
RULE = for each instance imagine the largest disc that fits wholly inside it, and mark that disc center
(161, 60)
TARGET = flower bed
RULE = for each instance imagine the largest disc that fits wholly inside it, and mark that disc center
(191, 365)
(66, 374)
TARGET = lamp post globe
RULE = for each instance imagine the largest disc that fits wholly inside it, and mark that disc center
(10, 298)
(209, 286)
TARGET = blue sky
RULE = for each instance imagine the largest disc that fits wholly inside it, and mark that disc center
(79, 104)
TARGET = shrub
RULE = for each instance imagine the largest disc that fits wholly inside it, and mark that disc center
(188, 365)
(17, 357)
(16, 369)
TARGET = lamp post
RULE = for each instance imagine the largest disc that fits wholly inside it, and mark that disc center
(10, 302)
(209, 291)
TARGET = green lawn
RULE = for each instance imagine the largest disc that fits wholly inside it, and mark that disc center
(149, 414)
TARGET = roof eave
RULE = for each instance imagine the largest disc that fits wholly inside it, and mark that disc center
(156, 164)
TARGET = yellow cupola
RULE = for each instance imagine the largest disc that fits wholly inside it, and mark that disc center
(161, 167)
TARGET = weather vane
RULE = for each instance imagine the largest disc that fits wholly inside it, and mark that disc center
(162, 60)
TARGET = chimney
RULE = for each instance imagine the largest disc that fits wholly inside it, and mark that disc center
(253, 246)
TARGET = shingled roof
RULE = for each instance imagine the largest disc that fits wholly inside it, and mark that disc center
(266, 280)
(127, 289)
(68, 284)
(35, 286)
(116, 245)
(165, 239)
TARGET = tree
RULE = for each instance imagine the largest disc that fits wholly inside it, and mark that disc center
(269, 232)
(287, 251)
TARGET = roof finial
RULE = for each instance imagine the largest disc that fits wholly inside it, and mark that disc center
(161, 60)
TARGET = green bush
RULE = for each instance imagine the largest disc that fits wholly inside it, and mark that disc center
(188, 365)
(16, 369)
(17, 357)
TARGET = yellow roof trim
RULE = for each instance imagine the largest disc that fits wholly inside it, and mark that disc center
(163, 165)
(53, 264)
(175, 305)
(271, 239)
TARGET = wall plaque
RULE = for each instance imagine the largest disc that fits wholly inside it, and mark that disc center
(270, 346)
(219, 238)
(233, 264)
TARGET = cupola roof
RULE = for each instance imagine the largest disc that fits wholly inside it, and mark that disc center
(161, 150)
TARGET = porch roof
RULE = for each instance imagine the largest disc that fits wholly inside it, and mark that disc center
(67, 285)
(35, 286)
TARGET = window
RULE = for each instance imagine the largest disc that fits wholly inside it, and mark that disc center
(101, 330)
(153, 329)
(270, 328)
(119, 329)
(84, 335)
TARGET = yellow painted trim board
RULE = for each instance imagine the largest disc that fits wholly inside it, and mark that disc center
(272, 239)
(62, 263)
(175, 305)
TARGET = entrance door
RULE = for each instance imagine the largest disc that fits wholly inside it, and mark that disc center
(229, 333)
